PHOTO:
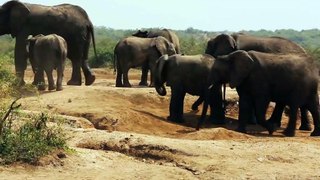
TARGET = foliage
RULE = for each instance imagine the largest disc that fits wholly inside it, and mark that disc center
(29, 141)
(192, 41)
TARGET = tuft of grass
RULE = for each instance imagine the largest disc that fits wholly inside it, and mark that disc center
(30, 141)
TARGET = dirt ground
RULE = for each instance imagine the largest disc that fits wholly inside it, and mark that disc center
(122, 133)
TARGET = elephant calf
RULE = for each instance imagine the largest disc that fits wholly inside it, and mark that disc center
(186, 74)
(47, 53)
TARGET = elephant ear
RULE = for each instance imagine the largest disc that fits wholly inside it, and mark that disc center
(241, 64)
(18, 14)
(164, 46)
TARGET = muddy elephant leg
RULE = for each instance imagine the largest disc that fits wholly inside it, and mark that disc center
(50, 80)
(20, 55)
(144, 75)
(60, 70)
(76, 74)
(119, 78)
(152, 66)
(176, 101)
(305, 122)
(88, 73)
(197, 103)
(291, 127)
(40, 77)
(277, 114)
(261, 104)
(245, 112)
(314, 109)
(217, 115)
(126, 82)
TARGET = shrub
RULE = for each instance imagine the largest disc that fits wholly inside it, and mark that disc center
(29, 141)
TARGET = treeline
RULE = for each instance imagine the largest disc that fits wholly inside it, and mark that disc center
(192, 41)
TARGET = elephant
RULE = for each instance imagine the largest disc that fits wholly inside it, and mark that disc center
(68, 21)
(185, 74)
(168, 34)
(259, 78)
(135, 51)
(47, 53)
(224, 44)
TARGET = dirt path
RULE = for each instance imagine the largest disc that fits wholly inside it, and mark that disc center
(123, 133)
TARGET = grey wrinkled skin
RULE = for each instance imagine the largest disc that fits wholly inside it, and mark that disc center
(47, 53)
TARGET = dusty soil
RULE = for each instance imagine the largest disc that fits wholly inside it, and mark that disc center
(121, 133)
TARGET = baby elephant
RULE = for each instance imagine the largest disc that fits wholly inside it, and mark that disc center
(47, 53)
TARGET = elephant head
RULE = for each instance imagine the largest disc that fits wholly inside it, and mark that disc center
(222, 44)
(140, 33)
(159, 76)
(13, 15)
(232, 68)
(163, 46)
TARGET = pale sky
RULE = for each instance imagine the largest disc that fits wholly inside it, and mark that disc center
(209, 15)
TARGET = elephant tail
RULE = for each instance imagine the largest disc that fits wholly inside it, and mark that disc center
(114, 62)
(90, 28)
(159, 80)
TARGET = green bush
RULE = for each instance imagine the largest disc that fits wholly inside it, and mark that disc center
(29, 141)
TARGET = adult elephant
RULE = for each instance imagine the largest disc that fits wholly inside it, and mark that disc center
(185, 74)
(259, 78)
(135, 51)
(166, 33)
(69, 21)
(224, 44)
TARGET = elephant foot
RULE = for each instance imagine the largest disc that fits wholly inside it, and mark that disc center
(90, 80)
(305, 127)
(59, 88)
(74, 82)
(21, 82)
(51, 87)
(143, 83)
(176, 120)
(217, 121)
(126, 85)
(316, 132)
(252, 120)
(151, 85)
(288, 132)
(41, 87)
(241, 129)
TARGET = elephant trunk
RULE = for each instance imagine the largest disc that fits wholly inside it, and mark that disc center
(159, 78)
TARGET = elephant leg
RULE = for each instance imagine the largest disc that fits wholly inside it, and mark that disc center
(291, 127)
(50, 79)
(197, 103)
(88, 73)
(217, 115)
(119, 78)
(314, 109)
(152, 66)
(305, 123)
(20, 55)
(245, 112)
(40, 77)
(176, 104)
(126, 82)
(277, 114)
(144, 75)
(60, 70)
(261, 104)
(76, 74)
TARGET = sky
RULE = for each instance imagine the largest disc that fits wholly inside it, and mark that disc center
(207, 15)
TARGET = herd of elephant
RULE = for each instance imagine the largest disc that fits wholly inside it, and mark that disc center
(262, 69)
